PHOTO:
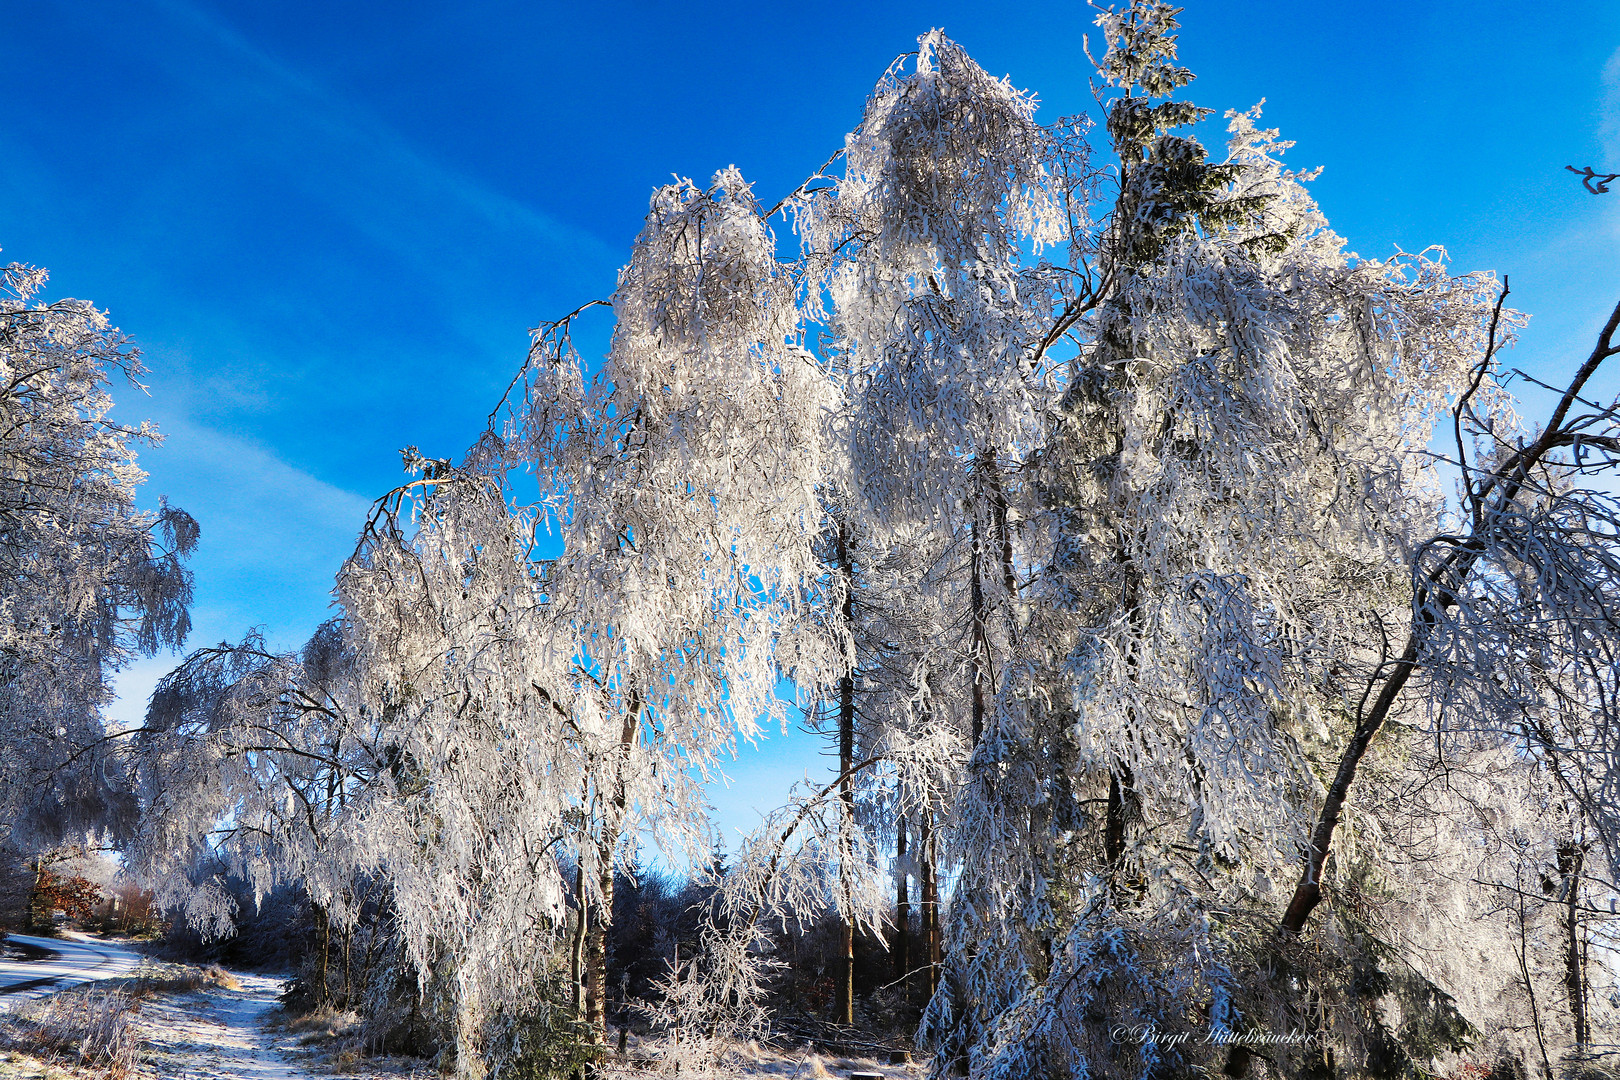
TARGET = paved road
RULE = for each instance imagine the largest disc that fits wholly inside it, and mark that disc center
(74, 959)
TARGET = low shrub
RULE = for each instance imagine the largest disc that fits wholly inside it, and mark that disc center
(186, 981)
(87, 1025)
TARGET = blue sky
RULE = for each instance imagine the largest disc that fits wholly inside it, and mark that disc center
(330, 225)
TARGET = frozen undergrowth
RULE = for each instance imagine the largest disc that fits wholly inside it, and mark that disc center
(171, 1022)
(179, 1022)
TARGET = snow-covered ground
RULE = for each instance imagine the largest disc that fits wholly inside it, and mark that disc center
(225, 1032)
(222, 1034)
(218, 1033)
(768, 1063)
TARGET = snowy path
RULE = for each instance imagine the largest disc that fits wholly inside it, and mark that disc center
(73, 959)
(218, 1035)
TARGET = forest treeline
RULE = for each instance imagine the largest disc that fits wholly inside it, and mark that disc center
(1222, 677)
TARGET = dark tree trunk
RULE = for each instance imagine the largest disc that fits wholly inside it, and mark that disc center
(576, 968)
(596, 984)
(323, 930)
(1121, 793)
(980, 644)
(595, 971)
(930, 904)
(1570, 858)
(998, 510)
(902, 910)
(846, 790)
(39, 919)
(1308, 893)
(348, 962)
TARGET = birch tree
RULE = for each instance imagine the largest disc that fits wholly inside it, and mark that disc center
(249, 758)
(685, 483)
(926, 242)
(516, 709)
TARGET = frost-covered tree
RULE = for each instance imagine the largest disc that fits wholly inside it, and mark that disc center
(248, 761)
(1242, 514)
(510, 714)
(87, 581)
(927, 245)
(1159, 600)
(1093, 489)
(684, 480)
(412, 742)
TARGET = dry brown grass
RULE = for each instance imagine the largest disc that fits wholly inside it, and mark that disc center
(15, 1066)
(322, 1025)
(92, 1027)
(187, 981)
(87, 1025)
(813, 1067)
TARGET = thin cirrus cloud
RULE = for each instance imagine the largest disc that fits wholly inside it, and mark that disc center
(272, 537)
(320, 268)
(270, 530)
(1609, 114)
(343, 154)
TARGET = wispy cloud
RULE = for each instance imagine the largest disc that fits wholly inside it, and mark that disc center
(1609, 114)
(273, 537)
(345, 155)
